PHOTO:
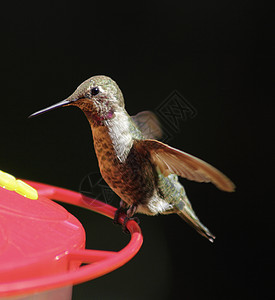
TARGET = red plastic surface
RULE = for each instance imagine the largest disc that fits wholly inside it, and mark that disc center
(51, 224)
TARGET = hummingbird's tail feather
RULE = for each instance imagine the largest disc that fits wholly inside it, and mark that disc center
(185, 211)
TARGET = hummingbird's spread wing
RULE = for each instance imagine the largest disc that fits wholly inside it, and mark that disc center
(147, 122)
(172, 161)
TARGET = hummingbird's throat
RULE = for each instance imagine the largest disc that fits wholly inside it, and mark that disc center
(98, 118)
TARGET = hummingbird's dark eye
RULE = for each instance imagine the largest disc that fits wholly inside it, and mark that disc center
(95, 91)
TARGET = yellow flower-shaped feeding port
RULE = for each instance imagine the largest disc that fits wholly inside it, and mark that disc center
(9, 182)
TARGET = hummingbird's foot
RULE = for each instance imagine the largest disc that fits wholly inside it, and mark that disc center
(124, 228)
(119, 211)
(129, 215)
(130, 212)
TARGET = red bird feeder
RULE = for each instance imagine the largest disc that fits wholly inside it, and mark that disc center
(42, 246)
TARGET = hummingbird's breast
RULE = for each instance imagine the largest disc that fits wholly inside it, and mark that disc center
(127, 171)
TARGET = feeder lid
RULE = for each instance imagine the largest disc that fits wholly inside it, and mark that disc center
(36, 236)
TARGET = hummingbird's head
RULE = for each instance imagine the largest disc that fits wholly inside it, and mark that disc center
(99, 97)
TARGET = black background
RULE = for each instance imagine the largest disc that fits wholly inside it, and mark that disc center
(218, 56)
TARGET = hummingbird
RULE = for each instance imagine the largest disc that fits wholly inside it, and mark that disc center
(138, 167)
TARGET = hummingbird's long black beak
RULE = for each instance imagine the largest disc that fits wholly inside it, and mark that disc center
(59, 104)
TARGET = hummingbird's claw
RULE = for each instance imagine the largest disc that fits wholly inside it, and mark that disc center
(119, 211)
(117, 215)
